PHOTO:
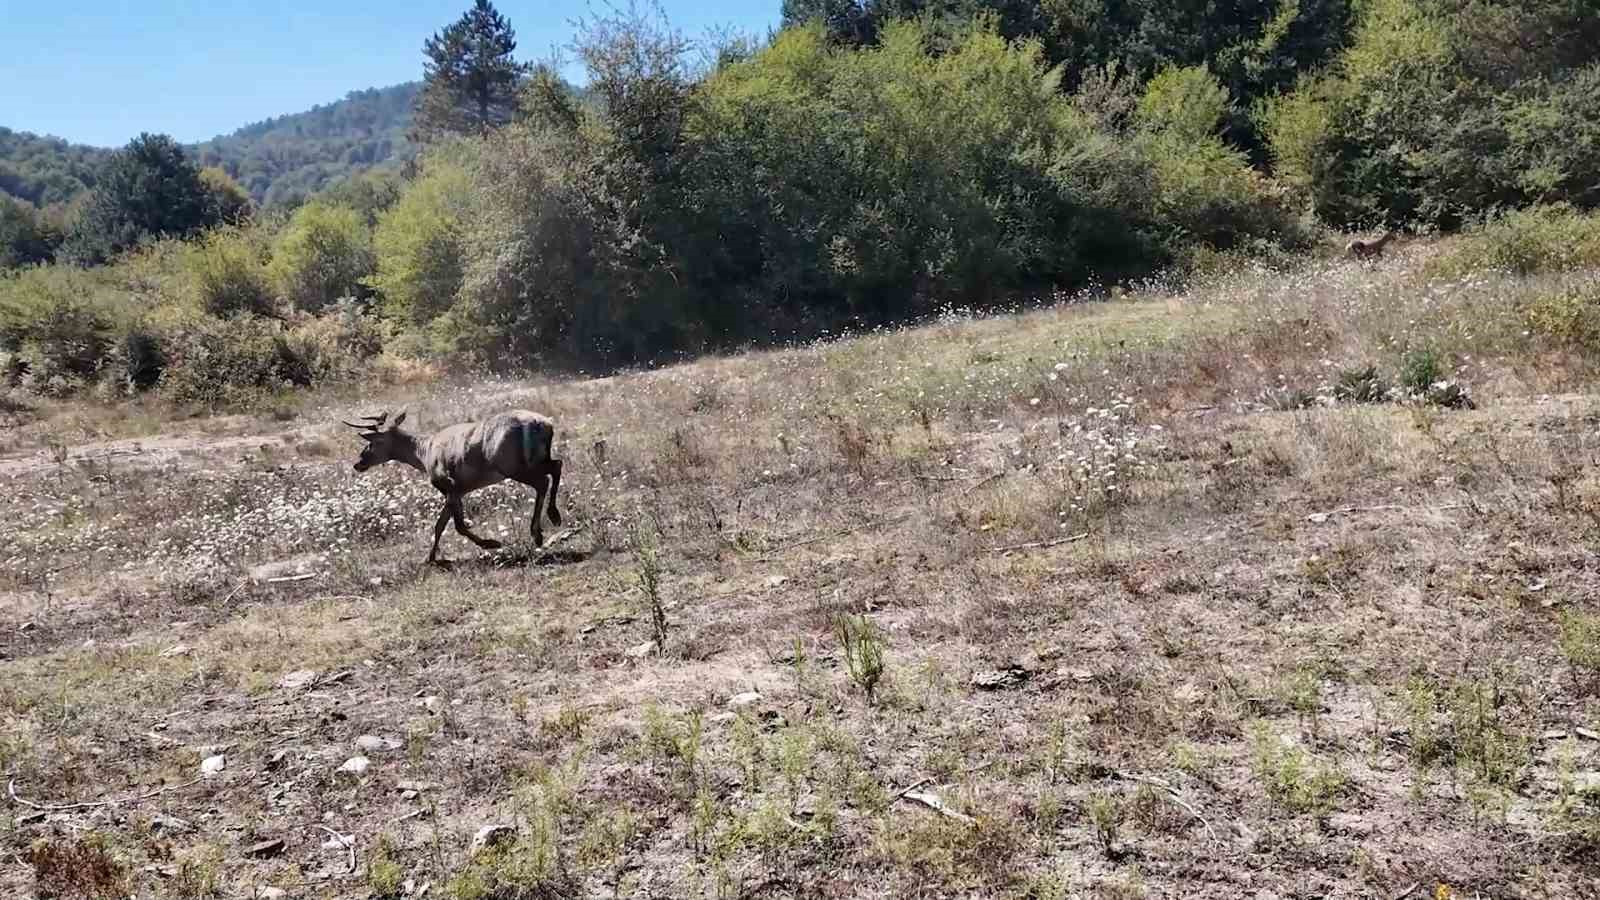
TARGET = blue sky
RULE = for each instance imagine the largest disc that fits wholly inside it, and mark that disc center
(101, 71)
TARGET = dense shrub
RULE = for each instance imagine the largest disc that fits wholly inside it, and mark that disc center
(418, 245)
(227, 273)
(56, 328)
(323, 254)
(1538, 239)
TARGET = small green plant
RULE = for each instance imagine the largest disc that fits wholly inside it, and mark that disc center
(1293, 779)
(1362, 385)
(1105, 814)
(862, 644)
(384, 873)
(1580, 640)
(644, 540)
(1420, 370)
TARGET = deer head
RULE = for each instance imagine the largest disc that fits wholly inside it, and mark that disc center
(383, 444)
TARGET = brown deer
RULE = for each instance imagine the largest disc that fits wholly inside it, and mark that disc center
(1361, 248)
(463, 458)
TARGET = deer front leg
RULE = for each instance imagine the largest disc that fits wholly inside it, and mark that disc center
(462, 529)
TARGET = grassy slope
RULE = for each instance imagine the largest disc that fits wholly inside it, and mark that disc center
(1314, 653)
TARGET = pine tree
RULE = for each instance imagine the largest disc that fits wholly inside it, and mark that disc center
(470, 79)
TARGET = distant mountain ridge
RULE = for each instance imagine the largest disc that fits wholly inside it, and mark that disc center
(277, 160)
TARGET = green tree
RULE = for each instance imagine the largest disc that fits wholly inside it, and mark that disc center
(148, 189)
(322, 255)
(230, 202)
(25, 235)
(417, 245)
(470, 78)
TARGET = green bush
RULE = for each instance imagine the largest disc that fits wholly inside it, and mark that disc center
(323, 254)
(57, 326)
(1524, 242)
(218, 363)
(227, 274)
(418, 245)
(1569, 317)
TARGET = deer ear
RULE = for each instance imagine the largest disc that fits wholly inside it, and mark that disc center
(398, 419)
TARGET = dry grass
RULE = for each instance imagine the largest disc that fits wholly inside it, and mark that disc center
(1317, 648)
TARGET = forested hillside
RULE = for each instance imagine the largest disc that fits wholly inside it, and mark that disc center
(292, 157)
(44, 170)
(281, 159)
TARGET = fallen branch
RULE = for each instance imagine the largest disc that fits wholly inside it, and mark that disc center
(348, 842)
(284, 579)
(1172, 794)
(1407, 892)
(1038, 545)
(933, 802)
(11, 788)
(1387, 507)
(913, 786)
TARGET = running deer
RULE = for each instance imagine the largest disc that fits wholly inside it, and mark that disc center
(1361, 248)
(463, 458)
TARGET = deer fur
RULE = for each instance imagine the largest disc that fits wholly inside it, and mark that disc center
(1360, 248)
(460, 459)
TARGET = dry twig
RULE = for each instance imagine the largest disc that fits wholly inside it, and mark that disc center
(1038, 545)
(11, 788)
(348, 843)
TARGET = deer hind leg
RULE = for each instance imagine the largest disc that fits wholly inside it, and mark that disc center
(539, 483)
(438, 531)
(459, 516)
(554, 468)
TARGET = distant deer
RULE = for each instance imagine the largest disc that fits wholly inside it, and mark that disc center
(463, 458)
(1360, 248)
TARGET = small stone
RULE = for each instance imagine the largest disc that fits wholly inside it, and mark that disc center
(264, 849)
(777, 581)
(420, 787)
(409, 795)
(169, 824)
(272, 893)
(1317, 518)
(999, 679)
(356, 765)
(1555, 734)
(1587, 734)
(1351, 824)
(491, 836)
(371, 743)
(32, 818)
(297, 679)
(641, 651)
(25, 627)
(213, 765)
(740, 701)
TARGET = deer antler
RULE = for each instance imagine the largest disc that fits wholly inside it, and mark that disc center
(373, 422)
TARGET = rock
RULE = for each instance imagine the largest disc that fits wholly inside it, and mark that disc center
(1351, 824)
(1587, 734)
(356, 765)
(272, 893)
(169, 824)
(777, 581)
(740, 701)
(25, 627)
(32, 818)
(431, 702)
(641, 651)
(371, 743)
(491, 836)
(409, 795)
(177, 650)
(1000, 679)
(420, 787)
(298, 679)
(1318, 518)
(264, 849)
(213, 765)
(722, 718)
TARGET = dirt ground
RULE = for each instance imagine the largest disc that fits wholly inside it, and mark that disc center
(1073, 603)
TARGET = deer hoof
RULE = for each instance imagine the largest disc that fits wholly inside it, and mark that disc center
(491, 544)
(538, 539)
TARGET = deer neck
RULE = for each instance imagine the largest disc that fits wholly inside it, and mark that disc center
(408, 449)
(1387, 237)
